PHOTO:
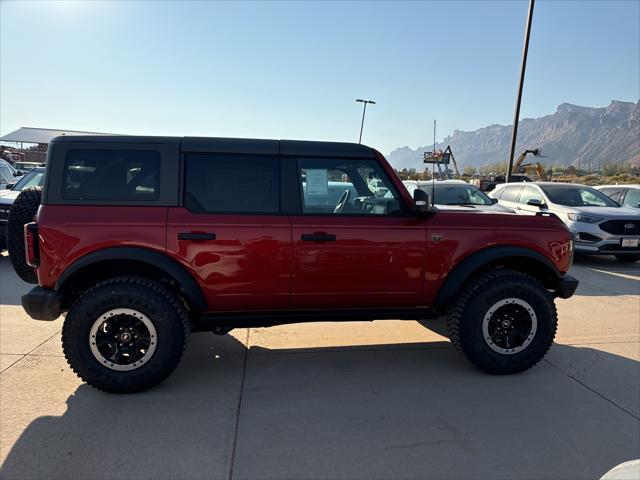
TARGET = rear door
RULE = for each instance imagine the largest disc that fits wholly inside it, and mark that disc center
(230, 231)
(355, 244)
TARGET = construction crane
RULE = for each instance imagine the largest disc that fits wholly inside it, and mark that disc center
(535, 152)
(538, 168)
(440, 157)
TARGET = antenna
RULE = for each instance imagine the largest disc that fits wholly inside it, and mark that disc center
(433, 173)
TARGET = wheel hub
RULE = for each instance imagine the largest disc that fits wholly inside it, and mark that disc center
(122, 339)
(509, 326)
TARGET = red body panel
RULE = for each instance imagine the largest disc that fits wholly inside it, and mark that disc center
(374, 262)
(67, 233)
(459, 235)
(247, 266)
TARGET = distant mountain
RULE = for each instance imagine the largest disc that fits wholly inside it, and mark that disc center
(571, 135)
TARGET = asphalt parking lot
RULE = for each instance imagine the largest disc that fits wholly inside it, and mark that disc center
(386, 399)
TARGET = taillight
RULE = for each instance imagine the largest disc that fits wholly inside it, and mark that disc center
(31, 246)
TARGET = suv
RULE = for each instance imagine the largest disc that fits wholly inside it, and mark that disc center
(599, 225)
(141, 240)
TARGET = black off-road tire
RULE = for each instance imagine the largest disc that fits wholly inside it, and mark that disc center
(146, 296)
(22, 212)
(627, 257)
(465, 318)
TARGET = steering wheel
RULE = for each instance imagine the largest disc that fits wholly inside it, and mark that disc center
(342, 201)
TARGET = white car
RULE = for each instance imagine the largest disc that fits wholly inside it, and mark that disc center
(599, 225)
(625, 195)
(8, 174)
(449, 193)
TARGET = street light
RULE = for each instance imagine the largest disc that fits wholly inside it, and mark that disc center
(364, 111)
(523, 68)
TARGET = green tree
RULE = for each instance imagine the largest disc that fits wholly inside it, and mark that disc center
(469, 170)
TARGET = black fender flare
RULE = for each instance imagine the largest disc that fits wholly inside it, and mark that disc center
(186, 282)
(476, 261)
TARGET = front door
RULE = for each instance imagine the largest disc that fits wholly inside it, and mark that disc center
(355, 244)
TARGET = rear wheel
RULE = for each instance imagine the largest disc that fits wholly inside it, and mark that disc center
(504, 322)
(125, 335)
(627, 257)
(23, 211)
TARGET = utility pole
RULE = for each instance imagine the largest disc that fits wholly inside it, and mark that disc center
(523, 69)
(364, 111)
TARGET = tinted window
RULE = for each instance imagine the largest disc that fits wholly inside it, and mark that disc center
(613, 193)
(632, 198)
(577, 196)
(457, 194)
(346, 187)
(510, 193)
(111, 175)
(232, 184)
(530, 193)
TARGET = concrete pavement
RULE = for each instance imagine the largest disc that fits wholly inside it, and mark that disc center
(386, 399)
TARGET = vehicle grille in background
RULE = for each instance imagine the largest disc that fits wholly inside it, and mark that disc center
(4, 213)
(621, 227)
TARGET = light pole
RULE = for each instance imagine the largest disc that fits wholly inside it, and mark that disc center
(364, 111)
(523, 68)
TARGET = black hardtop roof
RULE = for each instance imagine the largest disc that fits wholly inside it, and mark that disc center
(234, 145)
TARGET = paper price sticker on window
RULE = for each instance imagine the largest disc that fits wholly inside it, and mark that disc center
(317, 182)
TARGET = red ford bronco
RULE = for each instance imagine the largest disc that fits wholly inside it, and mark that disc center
(141, 240)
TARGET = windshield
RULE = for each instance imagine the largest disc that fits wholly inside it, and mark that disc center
(457, 195)
(35, 178)
(577, 196)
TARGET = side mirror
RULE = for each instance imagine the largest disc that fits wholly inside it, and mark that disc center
(9, 186)
(536, 202)
(421, 202)
(19, 173)
(494, 200)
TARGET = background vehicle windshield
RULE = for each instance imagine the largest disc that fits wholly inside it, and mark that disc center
(35, 178)
(6, 175)
(457, 195)
(577, 196)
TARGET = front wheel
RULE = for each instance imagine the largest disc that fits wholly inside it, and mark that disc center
(125, 335)
(504, 322)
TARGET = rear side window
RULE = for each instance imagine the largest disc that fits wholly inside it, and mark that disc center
(232, 184)
(613, 193)
(510, 193)
(530, 193)
(111, 175)
(633, 198)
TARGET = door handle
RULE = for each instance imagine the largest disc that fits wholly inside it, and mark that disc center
(195, 236)
(318, 237)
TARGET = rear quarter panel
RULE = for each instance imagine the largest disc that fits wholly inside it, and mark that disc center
(67, 233)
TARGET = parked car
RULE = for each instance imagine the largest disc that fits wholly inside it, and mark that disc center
(8, 174)
(24, 167)
(625, 195)
(35, 178)
(446, 193)
(599, 225)
(172, 235)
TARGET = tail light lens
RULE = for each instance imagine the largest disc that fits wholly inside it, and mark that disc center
(31, 246)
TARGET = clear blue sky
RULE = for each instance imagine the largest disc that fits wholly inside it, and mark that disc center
(293, 69)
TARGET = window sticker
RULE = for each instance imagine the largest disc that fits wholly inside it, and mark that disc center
(317, 182)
